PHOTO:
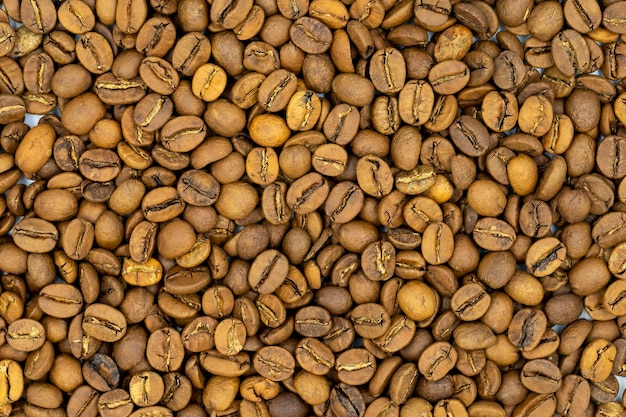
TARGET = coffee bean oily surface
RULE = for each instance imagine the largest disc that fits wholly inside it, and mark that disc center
(295, 208)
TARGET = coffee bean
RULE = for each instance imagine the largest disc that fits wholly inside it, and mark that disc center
(310, 35)
(470, 302)
(526, 328)
(437, 360)
(541, 376)
(35, 235)
(597, 359)
(60, 300)
(104, 323)
(346, 400)
(12, 381)
(25, 335)
(274, 363)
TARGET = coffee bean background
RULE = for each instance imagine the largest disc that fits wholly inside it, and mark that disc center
(336, 208)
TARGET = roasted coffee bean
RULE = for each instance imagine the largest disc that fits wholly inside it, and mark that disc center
(60, 300)
(346, 400)
(541, 376)
(25, 335)
(526, 328)
(597, 359)
(545, 256)
(35, 235)
(104, 323)
(274, 363)
(12, 381)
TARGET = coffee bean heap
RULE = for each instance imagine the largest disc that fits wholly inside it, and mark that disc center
(292, 208)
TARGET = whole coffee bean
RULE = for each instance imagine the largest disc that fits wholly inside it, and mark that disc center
(276, 90)
(355, 366)
(303, 110)
(40, 16)
(104, 323)
(159, 75)
(94, 52)
(35, 235)
(545, 256)
(370, 320)
(610, 18)
(570, 52)
(508, 70)
(437, 243)
(115, 401)
(313, 321)
(101, 372)
(274, 363)
(387, 70)
(449, 77)
(219, 364)
(541, 376)
(526, 328)
(314, 356)
(12, 381)
(432, 13)
(60, 300)
(307, 193)
(470, 302)
(230, 336)
(268, 271)
(437, 360)
(597, 359)
(417, 300)
(346, 400)
(353, 89)
(165, 347)
(310, 35)
(470, 136)
(25, 335)
(146, 388)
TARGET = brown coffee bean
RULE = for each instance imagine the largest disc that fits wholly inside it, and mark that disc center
(310, 35)
(60, 300)
(470, 136)
(268, 271)
(611, 20)
(370, 320)
(274, 363)
(12, 381)
(432, 13)
(40, 16)
(355, 366)
(417, 300)
(353, 89)
(387, 70)
(545, 256)
(25, 335)
(313, 321)
(437, 243)
(449, 77)
(597, 360)
(276, 90)
(526, 328)
(470, 302)
(104, 323)
(165, 350)
(541, 376)
(437, 360)
(160, 76)
(35, 235)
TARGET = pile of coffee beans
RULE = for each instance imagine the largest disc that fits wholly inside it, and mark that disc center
(332, 208)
